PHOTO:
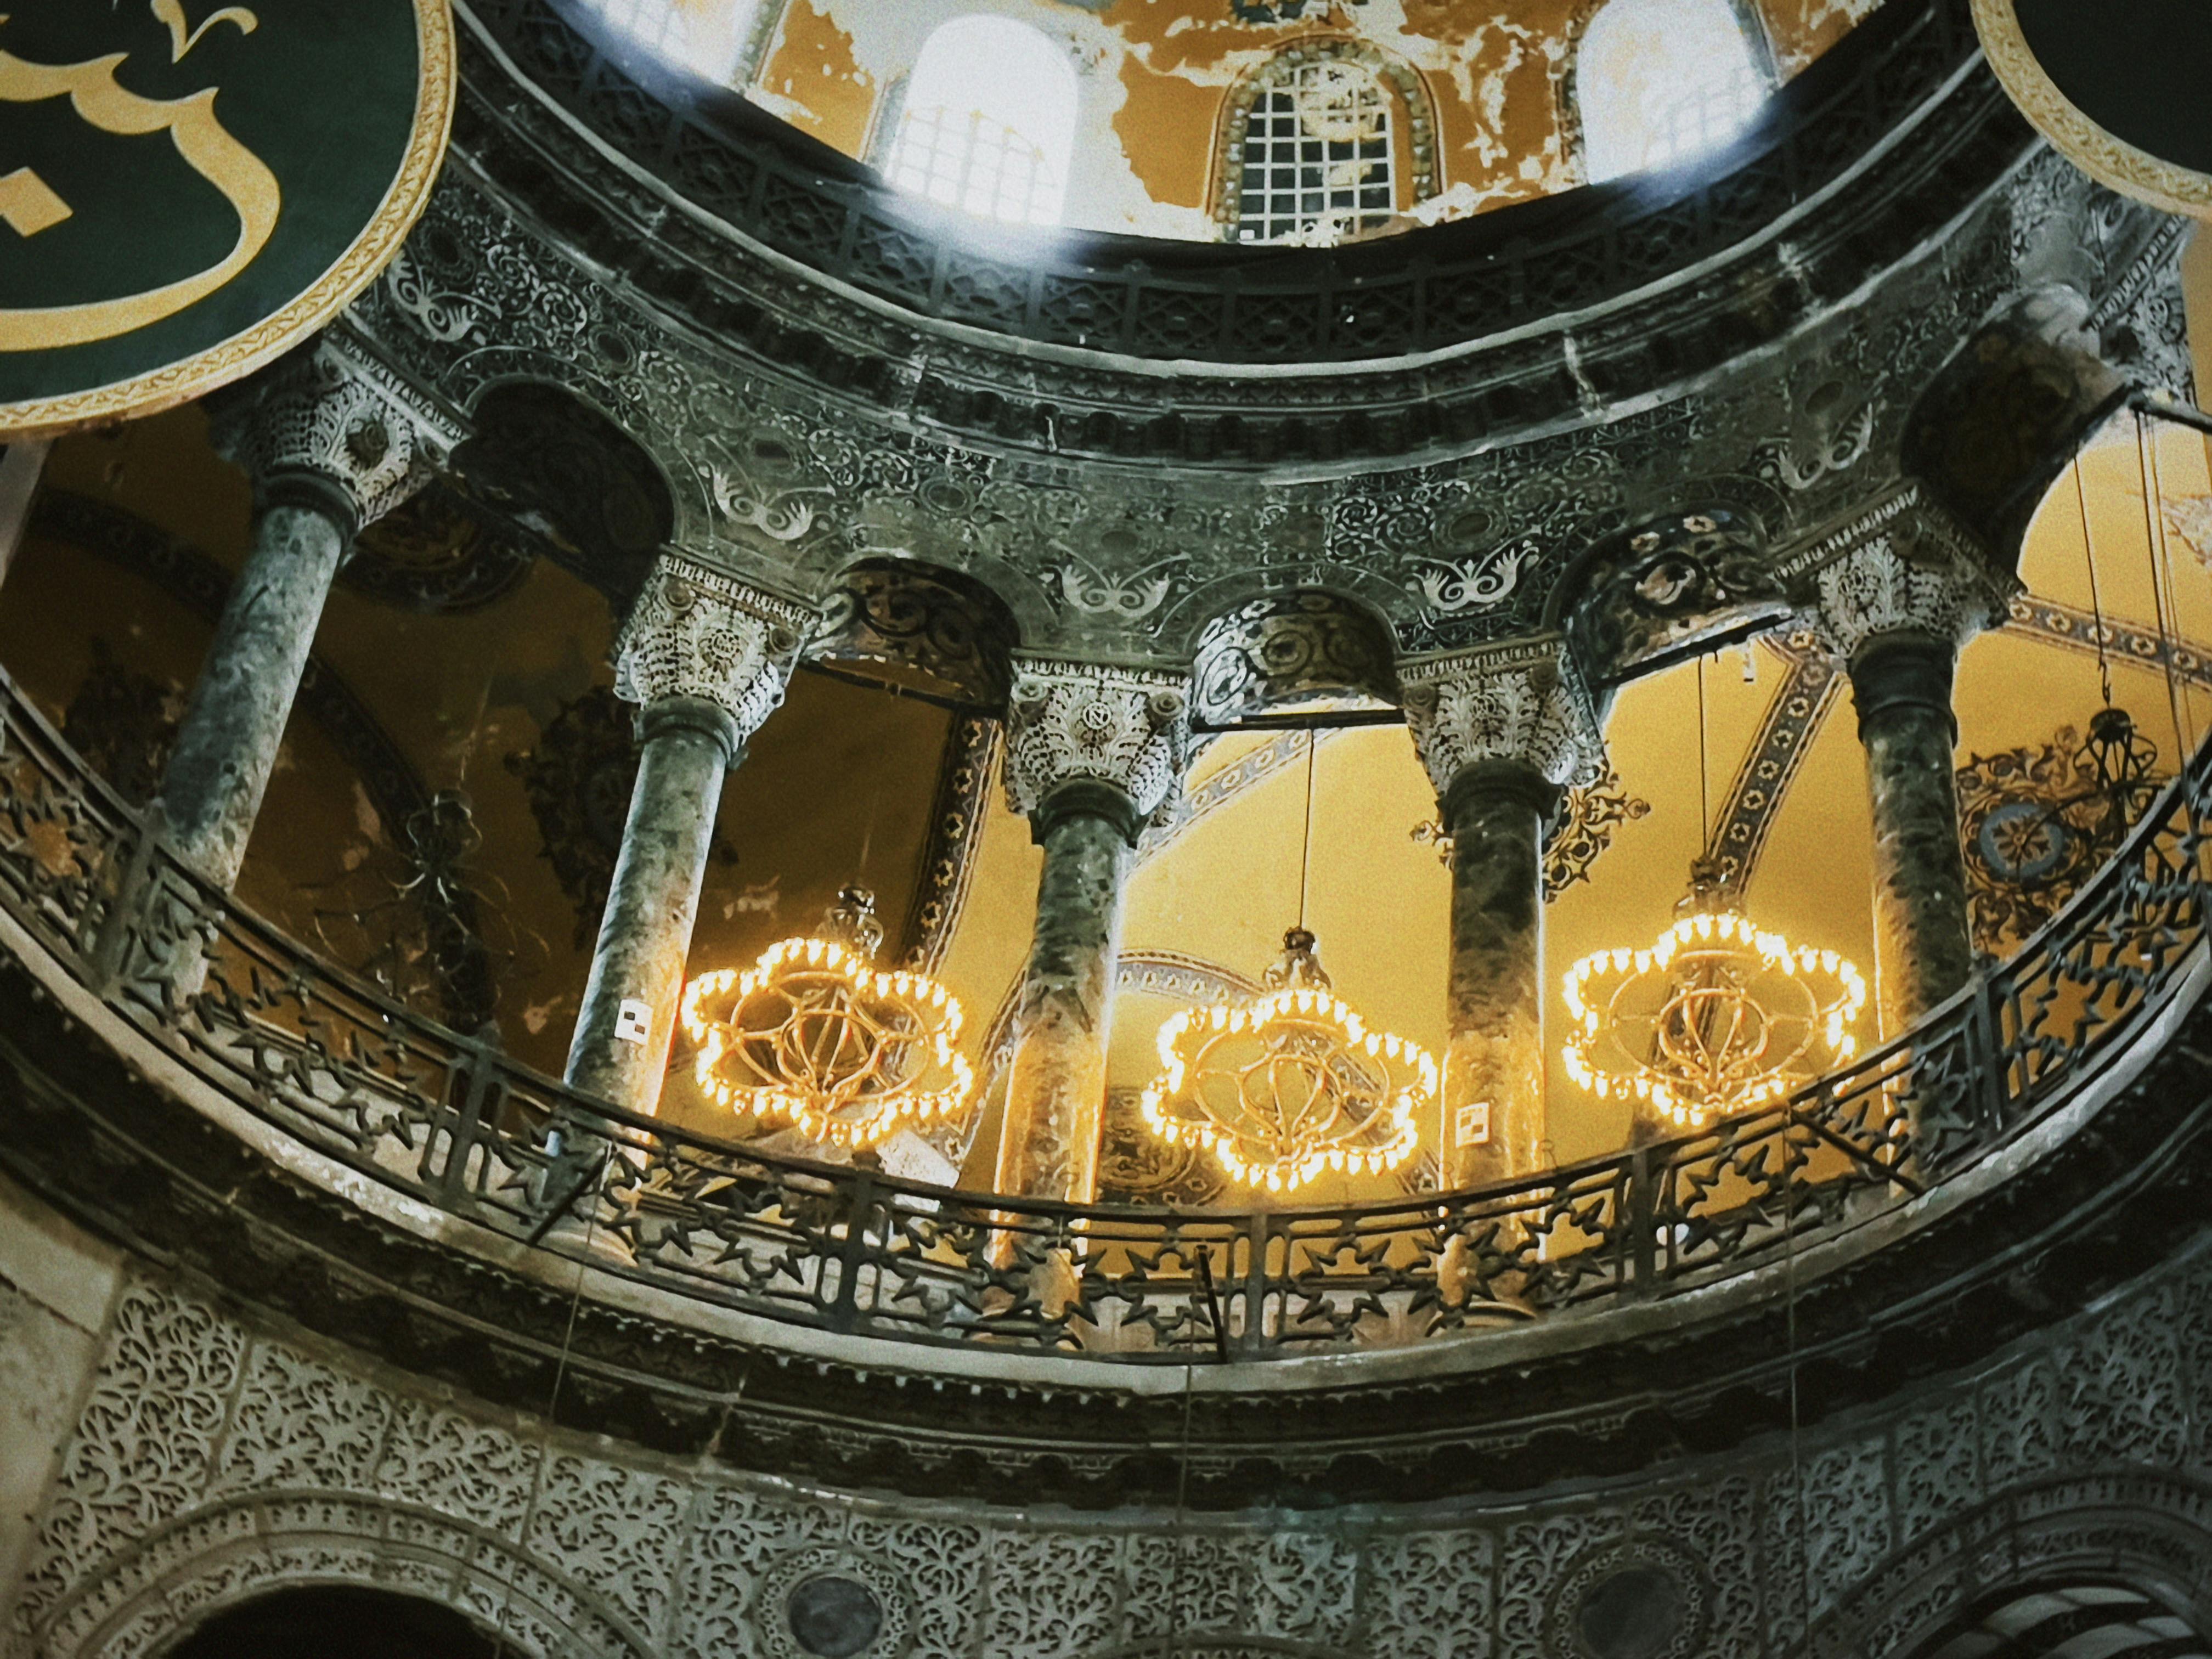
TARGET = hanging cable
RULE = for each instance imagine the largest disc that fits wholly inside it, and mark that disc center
(1305, 850)
(2096, 603)
(2161, 569)
(1705, 783)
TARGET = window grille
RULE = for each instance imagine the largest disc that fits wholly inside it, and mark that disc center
(965, 159)
(1658, 82)
(657, 25)
(1318, 157)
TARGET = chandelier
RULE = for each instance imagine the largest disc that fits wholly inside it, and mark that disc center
(1718, 1016)
(813, 1035)
(1290, 1086)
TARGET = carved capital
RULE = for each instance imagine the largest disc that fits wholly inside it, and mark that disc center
(1122, 727)
(1912, 573)
(340, 427)
(1524, 701)
(697, 633)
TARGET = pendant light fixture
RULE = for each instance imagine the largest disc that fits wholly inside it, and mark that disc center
(1295, 1083)
(1717, 1015)
(814, 1035)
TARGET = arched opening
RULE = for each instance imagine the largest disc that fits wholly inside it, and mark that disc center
(337, 1621)
(1319, 155)
(989, 122)
(2059, 1622)
(709, 40)
(1658, 82)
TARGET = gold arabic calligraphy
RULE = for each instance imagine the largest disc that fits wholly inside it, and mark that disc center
(194, 127)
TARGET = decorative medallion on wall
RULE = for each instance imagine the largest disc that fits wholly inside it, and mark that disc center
(826, 1602)
(1137, 1166)
(2117, 86)
(1588, 817)
(579, 779)
(123, 723)
(415, 920)
(1644, 1599)
(2037, 822)
(434, 552)
(194, 193)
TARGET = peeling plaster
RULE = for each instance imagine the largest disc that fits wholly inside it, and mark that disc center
(1155, 75)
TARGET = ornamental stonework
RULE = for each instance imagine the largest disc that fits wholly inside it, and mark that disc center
(696, 633)
(1067, 722)
(1522, 701)
(213, 1462)
(342, 419)
(1909, 576)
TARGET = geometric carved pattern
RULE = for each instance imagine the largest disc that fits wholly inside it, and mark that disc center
(212, 1464)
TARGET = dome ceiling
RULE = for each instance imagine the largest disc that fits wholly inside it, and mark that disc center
(1221, 119)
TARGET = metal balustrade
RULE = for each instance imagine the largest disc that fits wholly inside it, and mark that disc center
(318, 1054)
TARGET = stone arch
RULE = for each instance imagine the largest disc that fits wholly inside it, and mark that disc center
(545, 455)
(1409, 91)
(1023, 599)
(1292, 648)
(145, 1599)
(2003, 418)
(1182, 621)
(935, 620)
(2149, 1529)
(1667, 588)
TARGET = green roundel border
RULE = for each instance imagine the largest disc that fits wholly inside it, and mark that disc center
(307, 312)
(2110, 161)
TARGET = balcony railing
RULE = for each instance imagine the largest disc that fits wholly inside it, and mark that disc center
(325, 1059)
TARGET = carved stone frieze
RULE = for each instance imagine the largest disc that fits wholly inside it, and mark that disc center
(1070, 721)
(696, 633)
(1525, 702)
(214, 1461)
(337, 421)
(788, 481)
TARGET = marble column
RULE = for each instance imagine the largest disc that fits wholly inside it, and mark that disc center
(1501, 731)
(1091, 753)
(1898, 623)
(332, 441)
(22, 464)
(705, 658)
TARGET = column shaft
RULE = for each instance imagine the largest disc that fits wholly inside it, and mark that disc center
(1923, 950)
(688, 747)
(1493, 1099)
(1056, 1085)
(227, 747)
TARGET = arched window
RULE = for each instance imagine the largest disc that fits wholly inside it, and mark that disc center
(1657, 82)
(989, 122)
(710, 40)
(1318, 159)
(658, 26)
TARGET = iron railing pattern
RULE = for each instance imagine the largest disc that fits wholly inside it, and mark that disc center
(327, 1060)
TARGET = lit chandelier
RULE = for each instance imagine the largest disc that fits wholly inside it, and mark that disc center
(813, 1035)
(1290, 1085)
(1718, 1016)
